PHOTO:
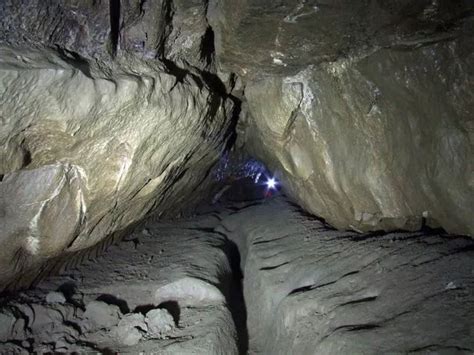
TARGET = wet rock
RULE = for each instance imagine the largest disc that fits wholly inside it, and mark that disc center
(159, 322)
(130, 329)
(100, 315)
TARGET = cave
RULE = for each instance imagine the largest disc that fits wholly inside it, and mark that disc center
(237, 176)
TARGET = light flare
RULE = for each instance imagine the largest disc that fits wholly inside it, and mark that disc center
(271, 183)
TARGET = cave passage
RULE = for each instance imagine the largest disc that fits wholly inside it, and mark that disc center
(236, 177)
(252, 273)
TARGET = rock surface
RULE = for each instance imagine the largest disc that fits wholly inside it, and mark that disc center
(310, 289)
(380, 143)
(262, 37)
(159, 322)
(129, 330)
(114, 304)
(98, 126)
(55, 297)
(99, 315)
(364, 109)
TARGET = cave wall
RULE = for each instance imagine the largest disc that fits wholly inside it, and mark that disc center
(105, 117)
(364, 109)
(111, 110)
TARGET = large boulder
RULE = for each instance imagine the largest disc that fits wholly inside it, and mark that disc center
(364, 108)
(383, 142)
(99, 127)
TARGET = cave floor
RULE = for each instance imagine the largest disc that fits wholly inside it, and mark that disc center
(178, 287)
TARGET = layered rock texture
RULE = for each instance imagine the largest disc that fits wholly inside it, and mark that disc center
(176, 288)
(111, 110)
(146, 295)
(310, 289)
(108, 111)
(365, 108)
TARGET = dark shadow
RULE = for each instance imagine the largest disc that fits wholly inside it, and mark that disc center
(26, 158)
(114, 9)
(75, 60)
(173, 308)
(111, 299)
(235, 297)
(68, 289)
(207, 46)
(144, 308)
(74, 325)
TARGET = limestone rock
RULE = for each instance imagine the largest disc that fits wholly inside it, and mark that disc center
(106, 115)
(365, 108)
(82, 157)
(261, 37)
(188, 291)
(80, 27)
(100, 315)
(310, 289)
(188, 38)
(105, 29)
(381, 142)
(129, 330)
(159, 322)
(129, 278)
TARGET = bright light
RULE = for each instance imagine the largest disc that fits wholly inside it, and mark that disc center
(271, 183)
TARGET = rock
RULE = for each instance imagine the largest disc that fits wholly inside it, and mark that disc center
(55, 297)
(129, 330)
(7, 322)
(159, 322)
(12, 348)
(100, 315)
(189, 291)
(80, 28)
(265, 37)
(20, 331)
(372, 143)
(357, 119)
(350, 293)
(188, 36)
(77, 165)
(95, 127)
(47, 323)
(129, 278)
